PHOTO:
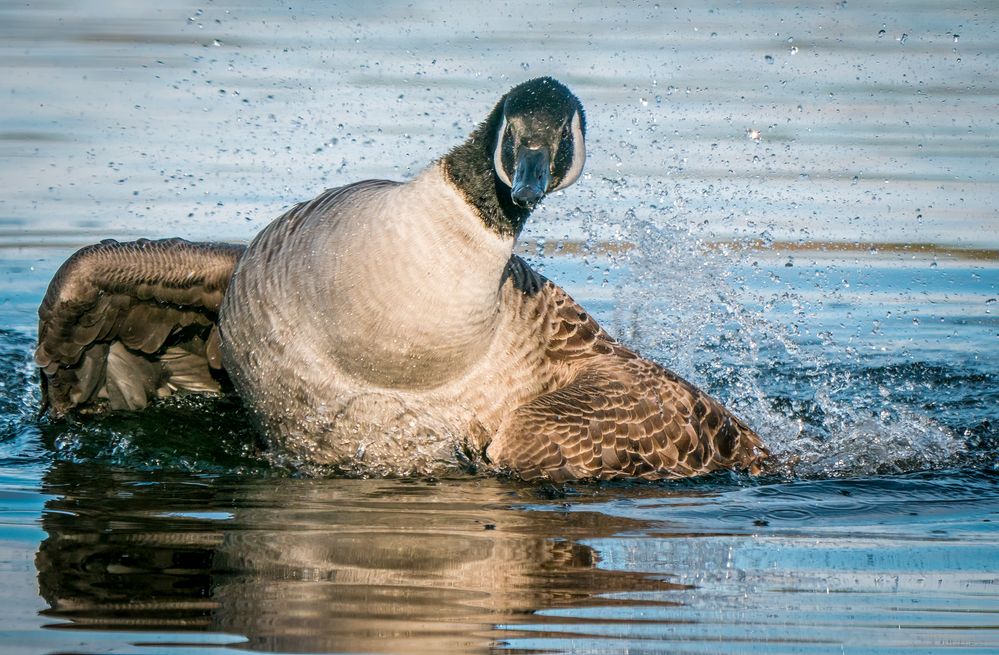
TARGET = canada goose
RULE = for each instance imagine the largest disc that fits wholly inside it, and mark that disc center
(386, 328)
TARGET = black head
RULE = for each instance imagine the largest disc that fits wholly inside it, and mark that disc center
(539, 144)
(531, 144)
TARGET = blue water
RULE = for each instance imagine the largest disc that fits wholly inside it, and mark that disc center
(164, 531)
(833, 278)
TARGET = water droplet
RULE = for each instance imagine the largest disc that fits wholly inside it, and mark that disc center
(902, 38)
(769, 59)
(525, 66)
(794, 50)
(957, 37)
(881, 32)
(217, 43)
(753, 134)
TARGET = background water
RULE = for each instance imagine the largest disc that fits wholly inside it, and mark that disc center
(792, 204)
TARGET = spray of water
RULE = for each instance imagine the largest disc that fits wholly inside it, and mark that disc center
(692, 305)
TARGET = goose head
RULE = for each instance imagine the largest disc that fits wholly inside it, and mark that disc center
(540, 142)
(532, 143)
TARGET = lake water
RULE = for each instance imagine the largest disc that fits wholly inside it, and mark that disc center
(792, 204)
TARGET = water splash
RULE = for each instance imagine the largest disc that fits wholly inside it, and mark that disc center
(720, 315)
(19, 442)
(17, 398)
(186, 432)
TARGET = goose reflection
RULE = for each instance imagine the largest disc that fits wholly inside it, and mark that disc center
(315, 565)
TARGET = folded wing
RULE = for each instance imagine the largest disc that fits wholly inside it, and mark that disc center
(616, 414)
(122, 323)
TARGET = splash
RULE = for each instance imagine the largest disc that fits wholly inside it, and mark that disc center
(205, 433)
(19, 443)
(719, 314)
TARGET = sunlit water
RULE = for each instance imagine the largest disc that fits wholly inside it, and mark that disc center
(794, 207)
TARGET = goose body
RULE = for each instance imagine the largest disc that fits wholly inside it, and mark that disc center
(387, 328)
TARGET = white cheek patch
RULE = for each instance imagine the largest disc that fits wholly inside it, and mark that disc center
(578, 153)
(498, 155)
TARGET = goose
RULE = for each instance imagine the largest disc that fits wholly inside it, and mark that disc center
(386, 328)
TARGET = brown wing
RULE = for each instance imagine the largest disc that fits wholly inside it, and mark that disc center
(125, 322)
(617, 415)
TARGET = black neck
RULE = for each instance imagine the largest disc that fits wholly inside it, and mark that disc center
(469, 167)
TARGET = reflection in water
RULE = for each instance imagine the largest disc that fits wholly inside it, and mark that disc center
(179, 562)
(316, 565)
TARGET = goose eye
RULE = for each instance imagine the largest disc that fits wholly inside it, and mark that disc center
(565, 132)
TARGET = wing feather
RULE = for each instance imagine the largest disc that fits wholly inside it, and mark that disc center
(614, 414)
(124, 322)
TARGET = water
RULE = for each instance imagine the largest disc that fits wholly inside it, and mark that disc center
(793, 206)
